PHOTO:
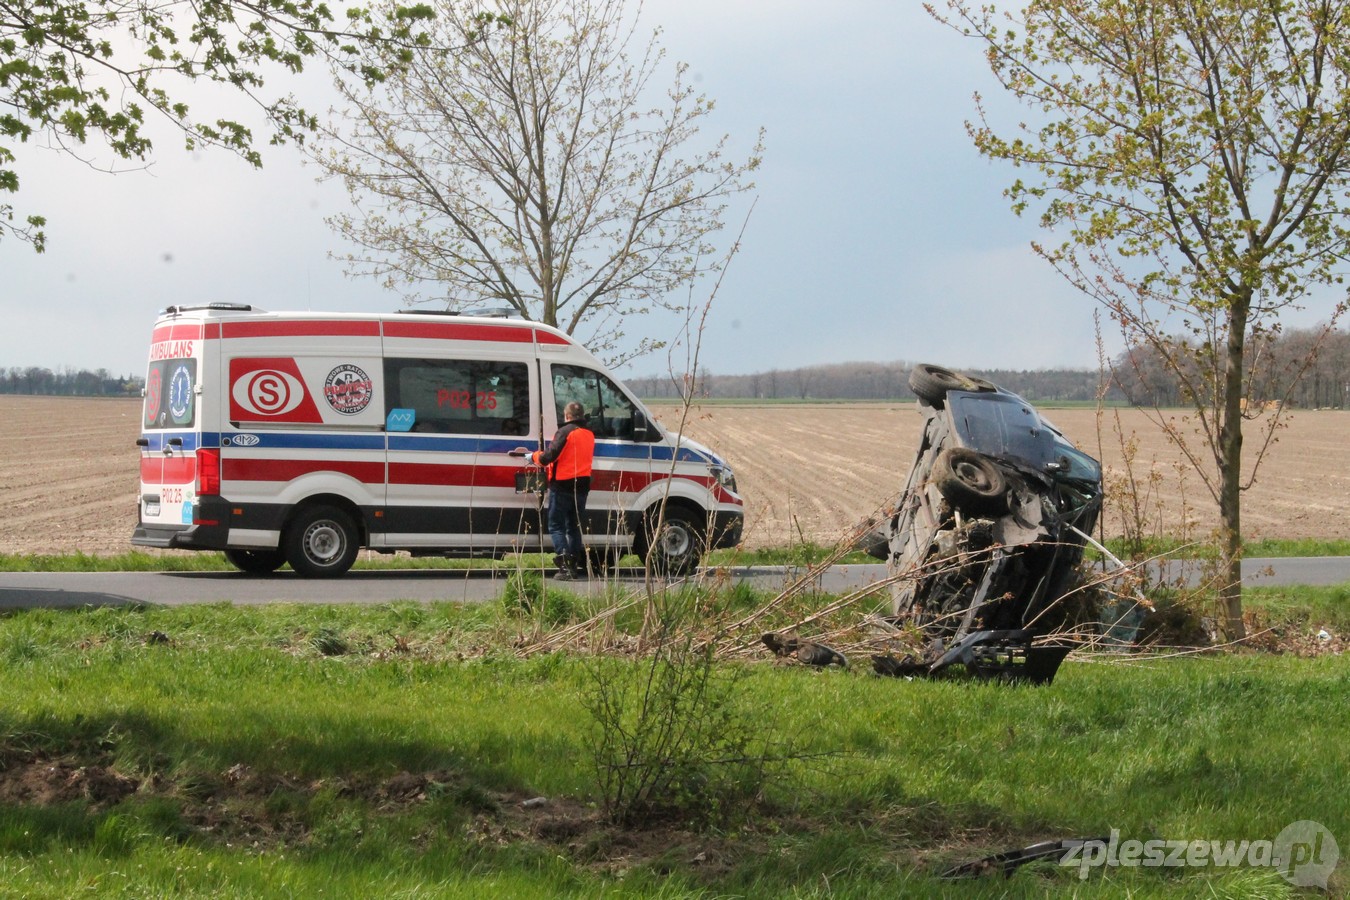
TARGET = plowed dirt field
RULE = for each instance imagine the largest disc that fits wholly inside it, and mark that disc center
(68, 470)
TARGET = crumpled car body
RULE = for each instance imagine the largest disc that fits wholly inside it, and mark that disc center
(989, 532)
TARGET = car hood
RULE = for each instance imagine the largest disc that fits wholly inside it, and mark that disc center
(690, 449)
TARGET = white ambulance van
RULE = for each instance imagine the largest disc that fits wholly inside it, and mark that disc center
(301, 437)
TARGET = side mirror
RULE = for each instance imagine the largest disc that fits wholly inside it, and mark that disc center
(641, 427)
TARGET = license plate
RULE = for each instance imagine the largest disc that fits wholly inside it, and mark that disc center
(152, 509)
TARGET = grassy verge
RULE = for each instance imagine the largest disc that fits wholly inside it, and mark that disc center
(797, 555)
(397, 750)
(137, 561)
(1171, 547)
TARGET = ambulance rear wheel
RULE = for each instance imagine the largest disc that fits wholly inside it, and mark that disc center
(256, 562)
(322, 542)
(676, 547)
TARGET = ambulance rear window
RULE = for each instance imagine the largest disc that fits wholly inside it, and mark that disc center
(460, 396)
(170, 393)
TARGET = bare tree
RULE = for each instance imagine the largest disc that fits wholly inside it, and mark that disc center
(526, 170)
(1192, 158)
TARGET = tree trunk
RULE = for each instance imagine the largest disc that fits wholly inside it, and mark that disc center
(1230, 469)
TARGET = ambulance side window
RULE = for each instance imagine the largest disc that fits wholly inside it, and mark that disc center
(460, 396)
(170, 396)
(610, 414)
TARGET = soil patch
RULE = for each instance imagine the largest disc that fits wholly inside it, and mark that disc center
(807, 472)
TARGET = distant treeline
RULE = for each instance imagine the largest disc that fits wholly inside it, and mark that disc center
(66, 382)
(1306, 368)
(864, 381)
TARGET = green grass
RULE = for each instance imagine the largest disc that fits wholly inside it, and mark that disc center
(383, 751)
(1304, 608)
(1176, 548)
(209, 561)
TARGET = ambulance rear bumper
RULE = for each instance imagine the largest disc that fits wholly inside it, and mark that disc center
(197, 536)
(180, 537)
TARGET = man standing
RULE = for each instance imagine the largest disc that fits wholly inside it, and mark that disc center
(568, 459)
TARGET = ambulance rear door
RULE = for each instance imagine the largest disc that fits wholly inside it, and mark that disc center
(170, 427)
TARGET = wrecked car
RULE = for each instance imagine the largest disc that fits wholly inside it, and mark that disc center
(989, 532)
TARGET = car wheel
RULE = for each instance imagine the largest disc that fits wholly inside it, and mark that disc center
(931, 383)
(256, 562)
(322, 542)
(677, 547)
(971, 481)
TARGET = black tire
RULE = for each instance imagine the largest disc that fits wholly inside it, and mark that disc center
(876, 544)
(678, 547)
(972, 482)
(321, 542)
(931, 383)
(256, 562)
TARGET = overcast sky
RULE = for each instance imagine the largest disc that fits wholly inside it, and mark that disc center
(879, 234)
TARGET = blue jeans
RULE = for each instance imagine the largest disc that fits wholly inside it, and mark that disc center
(565, 509)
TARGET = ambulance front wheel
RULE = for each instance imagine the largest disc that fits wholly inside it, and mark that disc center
(256, 562)
(676, 547)
(322, 542)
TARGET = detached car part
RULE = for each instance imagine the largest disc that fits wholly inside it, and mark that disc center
(987, 535)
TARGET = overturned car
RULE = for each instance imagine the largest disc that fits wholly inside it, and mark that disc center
(988, 536)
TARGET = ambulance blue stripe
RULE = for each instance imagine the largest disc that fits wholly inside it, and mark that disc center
(422, 442)
(282, 440)
(443, 443)
(160, 440)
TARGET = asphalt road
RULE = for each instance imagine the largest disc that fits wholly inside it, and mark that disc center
(21, 590)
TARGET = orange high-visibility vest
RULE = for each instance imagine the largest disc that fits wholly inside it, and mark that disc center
(569, 455)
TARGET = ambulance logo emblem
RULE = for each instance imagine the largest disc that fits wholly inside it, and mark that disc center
(348, 389)
(180, 396)
(269, 390)
(154, 385)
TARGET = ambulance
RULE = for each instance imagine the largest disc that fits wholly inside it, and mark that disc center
(302, 437)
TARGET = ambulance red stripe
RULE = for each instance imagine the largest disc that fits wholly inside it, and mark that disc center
(168, 470)
(287, 469)
(180, 332)
(430, 473)
(300, 328)
(458, 331)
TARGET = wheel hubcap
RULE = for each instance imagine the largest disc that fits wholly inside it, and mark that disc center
(323, 542)
(973, 475)
(675, 542)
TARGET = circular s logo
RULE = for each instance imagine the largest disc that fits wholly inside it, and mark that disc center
(154, 386)
(268, 392)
